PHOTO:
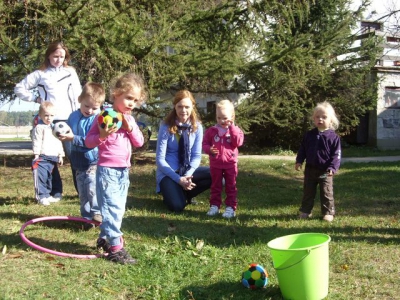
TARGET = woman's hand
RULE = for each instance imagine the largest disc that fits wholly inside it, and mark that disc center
(186, 183)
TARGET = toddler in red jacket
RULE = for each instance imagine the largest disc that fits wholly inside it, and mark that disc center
(221, 143)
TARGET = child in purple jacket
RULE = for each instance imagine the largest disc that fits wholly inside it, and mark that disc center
(221, 143)
(321, 150)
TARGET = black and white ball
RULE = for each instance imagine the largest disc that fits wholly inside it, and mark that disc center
(61, 128)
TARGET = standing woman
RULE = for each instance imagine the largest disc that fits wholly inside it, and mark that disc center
(178, 155)
(55, 81)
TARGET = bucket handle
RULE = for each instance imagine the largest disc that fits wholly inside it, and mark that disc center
(307, 254)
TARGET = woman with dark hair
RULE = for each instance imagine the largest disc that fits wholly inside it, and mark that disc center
(178, 154)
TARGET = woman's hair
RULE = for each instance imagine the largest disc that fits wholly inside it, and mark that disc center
(94, 91)
(226, 104)
(50, 49)
(171, 117)
(125, 83)
(328, 109)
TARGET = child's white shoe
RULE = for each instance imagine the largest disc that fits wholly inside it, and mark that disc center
(229, 213)
(213, 211)
(57, 197)
(44, 201)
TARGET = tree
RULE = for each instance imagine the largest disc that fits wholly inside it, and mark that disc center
(282, 55)
(297, 45)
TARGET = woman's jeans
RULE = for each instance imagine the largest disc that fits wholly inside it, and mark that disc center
(112, 189)
(176, 198)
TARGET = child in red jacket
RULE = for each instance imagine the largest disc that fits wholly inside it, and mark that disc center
(221, 143)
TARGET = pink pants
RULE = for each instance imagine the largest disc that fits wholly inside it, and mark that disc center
(230, 186)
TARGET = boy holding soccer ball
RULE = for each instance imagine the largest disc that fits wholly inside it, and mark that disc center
(84, 159)
(48, 152)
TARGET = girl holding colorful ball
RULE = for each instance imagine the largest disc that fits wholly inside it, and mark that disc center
(112, 178)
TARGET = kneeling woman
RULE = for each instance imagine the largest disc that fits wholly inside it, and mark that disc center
(178, 155)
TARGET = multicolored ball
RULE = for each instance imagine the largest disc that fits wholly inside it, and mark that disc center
(254, 276)
(109, 117)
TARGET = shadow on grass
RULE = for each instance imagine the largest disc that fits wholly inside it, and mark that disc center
(230, 290)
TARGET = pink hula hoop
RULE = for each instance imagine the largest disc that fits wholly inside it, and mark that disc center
(46, 250)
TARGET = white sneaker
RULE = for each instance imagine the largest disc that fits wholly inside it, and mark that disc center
(328, 218)
(57, 197)
(229, 213)
(44, 201)
(213, 211)
(53, 200)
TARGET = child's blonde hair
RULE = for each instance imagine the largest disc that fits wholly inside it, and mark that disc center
(127, 82)
(328, 109)
(94, 91)
(227, 104)
(46, 106)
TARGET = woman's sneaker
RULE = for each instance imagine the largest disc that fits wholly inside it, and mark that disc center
(213, 211)
(121, 257)
(229, 213)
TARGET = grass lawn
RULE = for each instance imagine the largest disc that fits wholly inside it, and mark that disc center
(193, 256)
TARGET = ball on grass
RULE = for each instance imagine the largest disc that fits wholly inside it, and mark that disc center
(109, 117)
(254, 276)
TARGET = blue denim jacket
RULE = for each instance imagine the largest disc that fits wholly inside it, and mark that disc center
(81, 157)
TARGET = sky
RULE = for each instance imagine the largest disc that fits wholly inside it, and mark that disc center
(19, 105)
(381, 7)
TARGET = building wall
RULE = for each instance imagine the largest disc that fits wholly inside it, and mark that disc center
(385, 122)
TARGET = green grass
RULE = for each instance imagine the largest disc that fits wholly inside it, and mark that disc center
(192, 256)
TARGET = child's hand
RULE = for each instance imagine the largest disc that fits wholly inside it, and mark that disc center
(60, 160)
(66, 137)
(298, 166)
(227, 123)
(330, 173)
(125, 124)
(106, 131)
(214, 151)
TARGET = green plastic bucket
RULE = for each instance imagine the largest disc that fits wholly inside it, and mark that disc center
(301, 262)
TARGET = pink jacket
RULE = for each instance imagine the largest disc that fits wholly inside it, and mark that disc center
(116, 150)
(227, 146)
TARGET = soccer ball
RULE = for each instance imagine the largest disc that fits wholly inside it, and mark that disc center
(109, 117)
(254, 276)
(61, 128)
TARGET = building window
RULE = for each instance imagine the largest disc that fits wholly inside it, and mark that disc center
(392, 97)
(211, 107)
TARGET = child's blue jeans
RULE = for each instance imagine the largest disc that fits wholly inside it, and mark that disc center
(112, 190)
(86, 184)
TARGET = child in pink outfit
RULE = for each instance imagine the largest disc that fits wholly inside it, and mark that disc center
(112, 174)
(221, 143)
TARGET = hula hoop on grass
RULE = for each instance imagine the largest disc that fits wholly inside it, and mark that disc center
(46, 250)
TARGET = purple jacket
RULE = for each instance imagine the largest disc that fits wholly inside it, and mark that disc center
(320, 150)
